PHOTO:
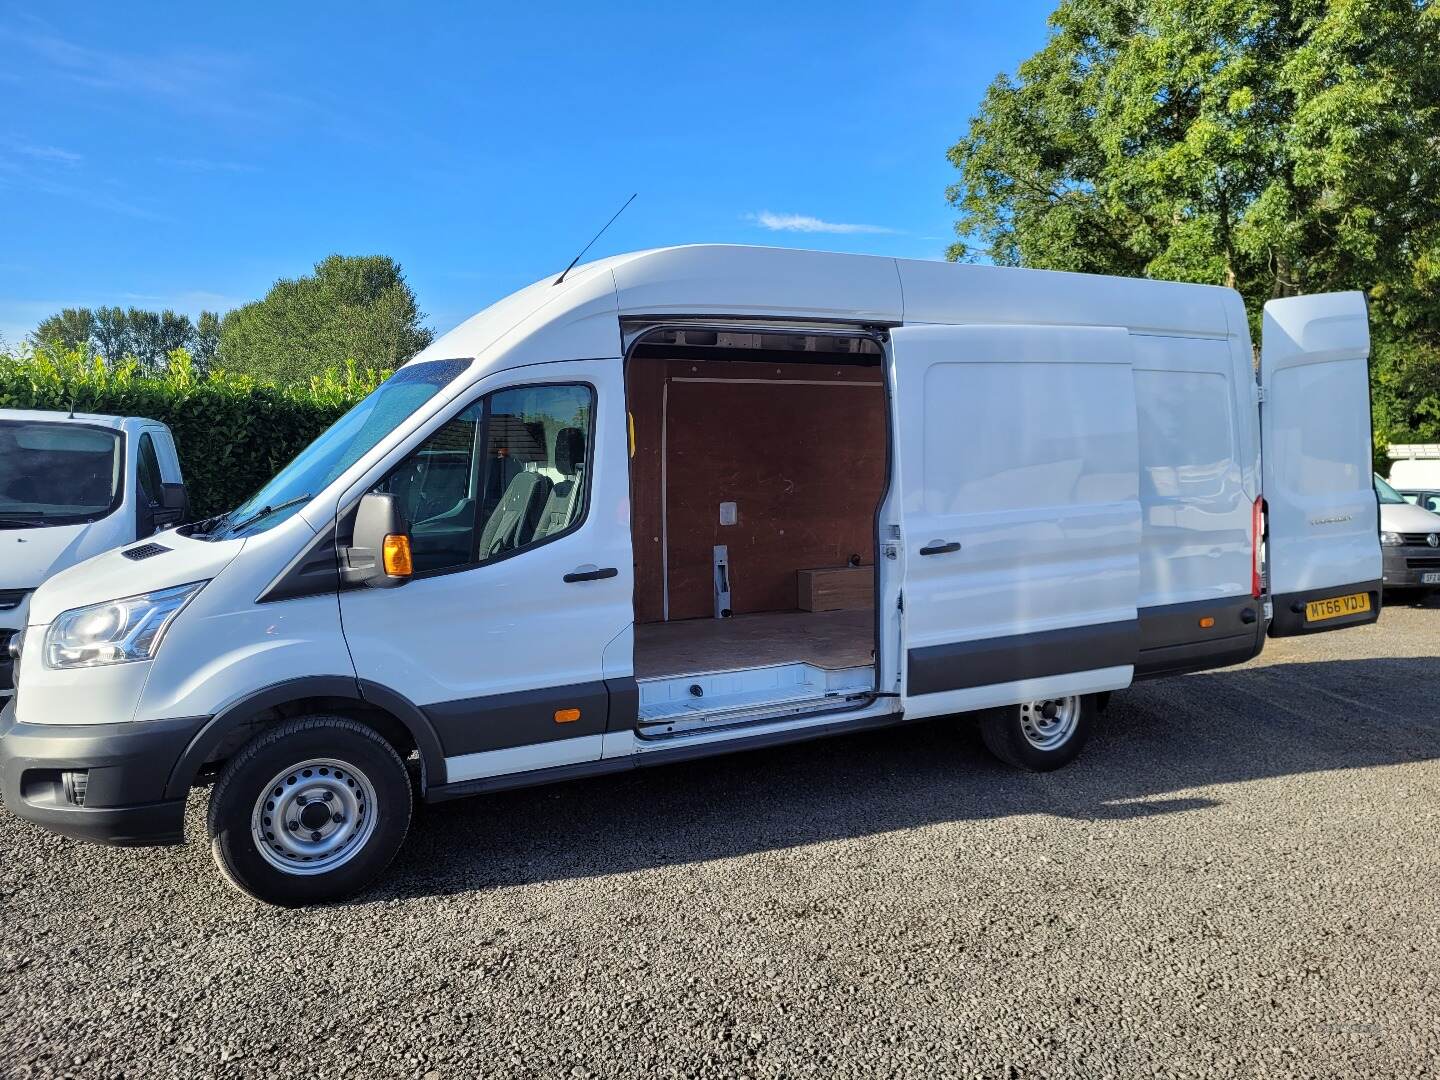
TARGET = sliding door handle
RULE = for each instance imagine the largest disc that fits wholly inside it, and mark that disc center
(940, 547)
(590, 573)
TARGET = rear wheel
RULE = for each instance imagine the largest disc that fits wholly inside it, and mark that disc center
(311, 810)
(1040, 735)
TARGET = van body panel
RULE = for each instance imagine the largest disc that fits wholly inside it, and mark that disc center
(493, 652)
(1196, 541)
(1323, 514)
(1018, 469)
(937, 292)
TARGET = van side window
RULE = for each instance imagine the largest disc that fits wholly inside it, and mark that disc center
(509, 472)
(147, 467)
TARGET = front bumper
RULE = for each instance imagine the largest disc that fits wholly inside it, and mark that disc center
(126, 767)
(1406, 567)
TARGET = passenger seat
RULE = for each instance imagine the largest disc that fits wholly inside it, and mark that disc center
(517, 516)
(565, 498)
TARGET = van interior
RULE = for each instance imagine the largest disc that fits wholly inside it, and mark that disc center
(758, 463)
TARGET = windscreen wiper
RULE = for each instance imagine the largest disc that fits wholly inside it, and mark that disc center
(266, 511)
(21, 522)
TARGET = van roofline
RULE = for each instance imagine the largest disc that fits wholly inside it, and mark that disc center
(580, 317)
(59, 416)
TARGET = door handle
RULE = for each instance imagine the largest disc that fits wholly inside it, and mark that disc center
(582, 573)
(940, 547)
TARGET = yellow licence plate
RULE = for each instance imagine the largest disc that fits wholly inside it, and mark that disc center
(1335, 607)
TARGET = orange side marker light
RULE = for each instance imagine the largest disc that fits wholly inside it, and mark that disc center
(397, 556)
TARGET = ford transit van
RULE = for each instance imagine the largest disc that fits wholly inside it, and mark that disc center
(71, 486)
(703, 499)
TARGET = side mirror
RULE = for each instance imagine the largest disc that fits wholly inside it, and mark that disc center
(379, 551)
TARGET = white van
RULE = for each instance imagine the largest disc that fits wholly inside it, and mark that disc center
(1415, 466)
(71, 486)
(703, 499)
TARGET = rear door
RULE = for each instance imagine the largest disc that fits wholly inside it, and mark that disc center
(1019, 531)
(1323, 542)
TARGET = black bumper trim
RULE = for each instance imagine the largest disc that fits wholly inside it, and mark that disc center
(1290, 621)
(1173, 642)
(127, 766)
(933, 669)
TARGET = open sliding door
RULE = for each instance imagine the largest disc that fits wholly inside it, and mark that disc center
(1323, 544)
(1020, 515)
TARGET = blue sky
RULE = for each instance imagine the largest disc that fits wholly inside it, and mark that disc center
(187, 156)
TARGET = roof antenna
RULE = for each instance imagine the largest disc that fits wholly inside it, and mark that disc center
(597, 236)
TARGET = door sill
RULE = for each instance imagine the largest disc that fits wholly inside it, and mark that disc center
(682, 705)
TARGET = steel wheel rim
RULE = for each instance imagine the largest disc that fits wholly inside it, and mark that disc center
(314, 816)
(1049, 722)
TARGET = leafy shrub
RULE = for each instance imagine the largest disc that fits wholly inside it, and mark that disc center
(233, 432)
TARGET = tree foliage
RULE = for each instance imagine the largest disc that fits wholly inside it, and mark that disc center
(147, 337)
(356, 308)
(233, 432)
(1276, 146)
(71, 328)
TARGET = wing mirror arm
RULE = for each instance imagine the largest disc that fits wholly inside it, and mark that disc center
(378, 555)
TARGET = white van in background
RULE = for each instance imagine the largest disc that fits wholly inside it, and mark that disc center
(701, 499)
(1409, 542)
(71, 486)
(1415, 466)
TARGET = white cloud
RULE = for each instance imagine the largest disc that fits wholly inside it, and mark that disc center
(804, 223)
(46, 153)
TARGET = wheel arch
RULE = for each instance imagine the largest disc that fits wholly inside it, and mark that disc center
(403, 724)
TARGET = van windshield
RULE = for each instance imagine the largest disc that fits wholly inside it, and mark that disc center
(1387, 493)
(340, 446)
(57, 473)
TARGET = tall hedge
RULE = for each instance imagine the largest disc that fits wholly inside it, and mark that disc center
(233, 432)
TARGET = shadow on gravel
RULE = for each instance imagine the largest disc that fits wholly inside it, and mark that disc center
(1157, 743)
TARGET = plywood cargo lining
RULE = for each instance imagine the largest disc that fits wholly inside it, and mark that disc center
(800, 449)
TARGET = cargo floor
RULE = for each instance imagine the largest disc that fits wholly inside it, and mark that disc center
(827, 639)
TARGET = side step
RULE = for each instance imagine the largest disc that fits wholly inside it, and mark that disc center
(678, 704)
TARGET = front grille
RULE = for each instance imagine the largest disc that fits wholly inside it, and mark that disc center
(1415, 539)
(1428, 563)
(7, 666)
(10, 598)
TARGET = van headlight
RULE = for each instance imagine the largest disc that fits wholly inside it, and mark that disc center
(1391, 539)
(117, 631)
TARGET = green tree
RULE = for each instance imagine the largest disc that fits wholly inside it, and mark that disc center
(146, 339)
(356, 308)
(112, 334)
(71, 328)
(207, 340)
(1276, 147)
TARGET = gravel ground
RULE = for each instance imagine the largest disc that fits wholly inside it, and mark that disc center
(1236, 879)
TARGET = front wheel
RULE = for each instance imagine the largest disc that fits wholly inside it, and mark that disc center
(1040, 735)
(310, 810)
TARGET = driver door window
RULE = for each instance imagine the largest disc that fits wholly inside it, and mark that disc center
(508, 473)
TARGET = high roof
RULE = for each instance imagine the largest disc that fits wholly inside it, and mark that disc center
(579, 318)
(46, 416)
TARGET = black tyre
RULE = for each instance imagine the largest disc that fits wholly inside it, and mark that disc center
(310, 810)
(1040, 735)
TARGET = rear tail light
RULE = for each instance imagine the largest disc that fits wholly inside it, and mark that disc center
(1257, 548)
